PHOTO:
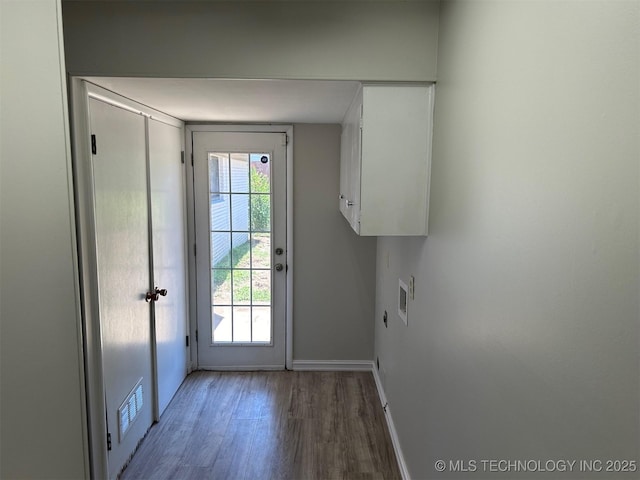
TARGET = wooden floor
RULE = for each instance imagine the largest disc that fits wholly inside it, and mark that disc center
(270, 425)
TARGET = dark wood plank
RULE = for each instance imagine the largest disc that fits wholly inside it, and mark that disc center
(270, 425)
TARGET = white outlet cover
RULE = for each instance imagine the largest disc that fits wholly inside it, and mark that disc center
(403, 298)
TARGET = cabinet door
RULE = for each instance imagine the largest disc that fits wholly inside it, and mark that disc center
(345, 169)
(350, 164)
(355, 166)
(396, 159)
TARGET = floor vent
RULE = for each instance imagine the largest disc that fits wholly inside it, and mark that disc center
(130, 409)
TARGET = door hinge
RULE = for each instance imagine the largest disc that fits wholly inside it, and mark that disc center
(182, 156)
(94, 147)
(195, 252)
(108, 441)
(187, 340)
(192, 159)
(196, 335)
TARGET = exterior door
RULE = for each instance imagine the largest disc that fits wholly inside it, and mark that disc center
(167, 198)
(122, 241)
(240, 212)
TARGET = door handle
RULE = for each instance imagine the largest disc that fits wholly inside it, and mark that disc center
(279, 267)
(155, 295)
(151, 297)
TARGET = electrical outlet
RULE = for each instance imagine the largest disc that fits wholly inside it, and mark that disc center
(412, 282)
(403, 294)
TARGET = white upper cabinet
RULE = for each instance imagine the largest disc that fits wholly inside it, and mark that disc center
(385, 160)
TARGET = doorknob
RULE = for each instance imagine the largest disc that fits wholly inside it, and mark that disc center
(151, 296)
(279, 267)
(155, 295)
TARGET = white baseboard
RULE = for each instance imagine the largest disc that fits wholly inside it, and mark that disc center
(334, 365)
(244, 368)
(404, 471)
(378, 380)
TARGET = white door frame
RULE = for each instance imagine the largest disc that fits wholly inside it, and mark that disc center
(288, 130)
(81, 92)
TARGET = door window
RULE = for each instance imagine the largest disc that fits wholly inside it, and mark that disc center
(240, 243)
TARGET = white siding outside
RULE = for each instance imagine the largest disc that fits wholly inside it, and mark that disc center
(230, 212)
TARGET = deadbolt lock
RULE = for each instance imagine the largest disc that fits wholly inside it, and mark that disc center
(279, 251)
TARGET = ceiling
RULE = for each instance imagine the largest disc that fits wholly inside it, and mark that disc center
(247, 101)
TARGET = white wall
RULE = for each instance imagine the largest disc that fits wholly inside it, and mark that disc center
(42, 417)
(379, 40)
(523, 336)
(334, 269)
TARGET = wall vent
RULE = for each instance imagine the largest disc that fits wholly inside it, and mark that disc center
(130, 409)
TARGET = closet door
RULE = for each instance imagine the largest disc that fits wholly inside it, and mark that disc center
(122, 241)
(169, 257)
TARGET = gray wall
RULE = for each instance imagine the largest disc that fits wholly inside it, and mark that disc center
(523, 336)
(42, 419)
(379, 40)
(334, 276)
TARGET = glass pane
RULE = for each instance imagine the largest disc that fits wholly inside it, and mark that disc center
(221, 323)
(261, 287)
(241, 287)
(240, 253)
(260, 173)
(218, 172)
(241, 324)
(240, 172)
(261, 318)
(221, 287)
(261, 250)
(220, 212)
(261, 213)
(241, 250)
(240, 212)
(220, 250)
